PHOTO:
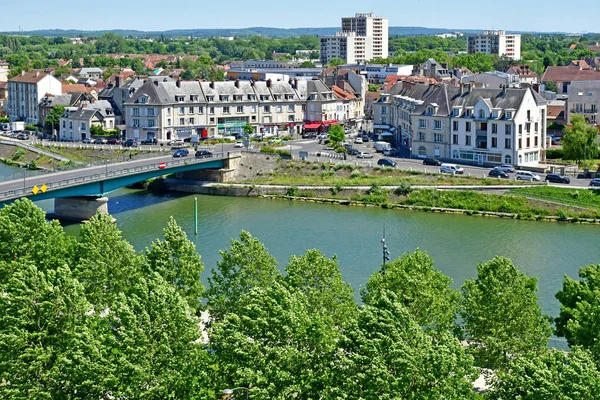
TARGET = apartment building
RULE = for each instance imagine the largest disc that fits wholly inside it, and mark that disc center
(362, 38)
(465, 124)
(499, 43)
(76, 122)
(584, 99)
(169, 110)
(25, 91)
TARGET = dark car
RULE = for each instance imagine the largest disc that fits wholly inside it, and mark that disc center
(497, 172)
(203, 154)
(181, 153)
(432, 161)
(130, 143)
(114, 141)
(22, 136)
(386, 162)
(556, 178)
(365, 138)
(352, 151)
(99, 141)
(150, 140)
(595, 182)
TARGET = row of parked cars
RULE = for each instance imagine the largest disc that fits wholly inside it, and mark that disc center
(199, 154)
(15, 135)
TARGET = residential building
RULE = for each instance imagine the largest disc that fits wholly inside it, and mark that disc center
(4, 74)
(564, 76)
(72, 99)
(465, 124)
(263, 74)
(3, 97)
(376, 74)
(25, 92)
(494, 79)
(76, 122)
(495, 42)
(363, 37)
(584, 99)
(90, 73)
(525, 74)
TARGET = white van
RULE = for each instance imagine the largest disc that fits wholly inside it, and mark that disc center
(527, 176)
(380, 147)
(451, 169)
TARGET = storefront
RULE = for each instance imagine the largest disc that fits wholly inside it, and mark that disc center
(231, 126)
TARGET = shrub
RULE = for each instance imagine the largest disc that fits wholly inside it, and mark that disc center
(375, 189)
(19, 153)
(562, 214)
(336, 189)
(553, 154)
(292, 191)
(32, 165)
(403, 190)
(355, 174)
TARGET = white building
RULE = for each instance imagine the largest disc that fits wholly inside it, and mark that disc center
(495, 42)
(25, 92)
(76, 122)
(363, 38)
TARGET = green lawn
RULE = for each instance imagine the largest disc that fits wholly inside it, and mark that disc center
(573, 197)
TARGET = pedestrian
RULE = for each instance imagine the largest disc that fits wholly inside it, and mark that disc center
(130, 155)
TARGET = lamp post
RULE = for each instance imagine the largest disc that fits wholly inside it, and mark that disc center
(386, 253)
(228, 392)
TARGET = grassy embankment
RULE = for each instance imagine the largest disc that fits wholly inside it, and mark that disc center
(523, 203)
(87, 155)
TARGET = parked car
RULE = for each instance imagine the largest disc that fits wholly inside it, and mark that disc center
(323, 136)
(352, 151)
(114, 141)
(497, 172)
(451, 169)
(527, 176)
(149, 140)
(556, 178)
(239, 144)
(181, 153)
(100, 141)
(22, 136)
(86, 141)
(363, 154)
(386, 162)
(176, 143)
(358, 140)
(130, 143)
(432, 161)
(595, 182)
(365, 138)
(506, 168)
(203, 154)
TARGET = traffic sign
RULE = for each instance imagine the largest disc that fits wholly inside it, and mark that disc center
(162, 165)
(35, 190)
(44, 188)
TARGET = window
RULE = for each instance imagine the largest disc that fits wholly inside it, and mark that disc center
(535, 141)
(454, 139)
(291, 108)
(422, 151)
(290, 118)
(135, 112)
(191, 110)
(507, 159)
(169, 111)
(267, 109)
(494, 128)
(454, 125)
(181, 110)
(384, 110)
(150, 112)
(438, 137)
(507, 129)
(226, 110)
(240, 109)
(536, 127)
(64, 124)
(508, 115)
(151, 123)
(494, 142)
(211, 110)
(528, 141)
(468, 127)
(481, 114)
(201, 110)
(169, 122)
(437, 124)
(136, 123)
(520, 129)
(278, 108)
(455, 154)
(181, 121)
(422, 123)
(83, 126)
(179, 98)
(421, 136)
(191, 121)
(528, 115)
(528, 127)
(507, 143)
(224, 98)
(468, 140)
(143, 100)
(212, 120)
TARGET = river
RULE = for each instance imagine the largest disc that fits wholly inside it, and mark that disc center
(457, 243)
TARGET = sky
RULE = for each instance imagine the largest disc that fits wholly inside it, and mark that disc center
(159, 15)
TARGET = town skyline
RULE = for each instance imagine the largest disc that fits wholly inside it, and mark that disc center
(263, 13)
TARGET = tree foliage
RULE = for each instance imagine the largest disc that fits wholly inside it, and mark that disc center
(337, 134)
(501, 317)
(580, 139)
(53, 118)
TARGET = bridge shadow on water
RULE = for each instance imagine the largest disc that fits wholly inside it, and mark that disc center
(129, 199)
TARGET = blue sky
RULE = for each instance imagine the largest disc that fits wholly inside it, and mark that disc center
(156, 15)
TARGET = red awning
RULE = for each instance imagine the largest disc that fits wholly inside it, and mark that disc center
(312, 126)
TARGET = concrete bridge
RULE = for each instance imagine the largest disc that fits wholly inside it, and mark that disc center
(79, 194)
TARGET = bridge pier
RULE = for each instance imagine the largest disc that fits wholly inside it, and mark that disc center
(78, 209)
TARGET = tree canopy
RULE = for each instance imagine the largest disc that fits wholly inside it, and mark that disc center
(579, 140)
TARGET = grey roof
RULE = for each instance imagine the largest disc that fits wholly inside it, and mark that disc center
(318, 88)
(585, 92)
(84, 71)
(101, 107)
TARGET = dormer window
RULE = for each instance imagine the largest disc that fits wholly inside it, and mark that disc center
(238, 97)
(210, 98)
(180, 99)
(143, 99)
(509, 115)
(224, 97)
(264, 97)
(481, 114)
(194, 97)
(252, 97)
(430, 110)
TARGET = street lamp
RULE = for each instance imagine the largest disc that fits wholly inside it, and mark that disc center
(229, 392)
(386, 253)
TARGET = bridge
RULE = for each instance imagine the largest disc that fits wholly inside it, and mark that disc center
(81, 193)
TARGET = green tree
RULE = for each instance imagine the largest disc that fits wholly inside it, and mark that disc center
(422, 289)
(334, 62)
(579, 318)
(374, 88)
(187, 75)
(97, 130)
(552, 375)
(500, 313)
(388, 355)
(53, 118)
(248, 129)
(176, 260)
(337, 134)
(308, 64)
(579, 140)
(551, 86)
(247, 264)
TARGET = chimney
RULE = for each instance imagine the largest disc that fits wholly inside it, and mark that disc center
(212, 84)
(84, 105)
(178, 83)
(462, 89)
(37, 73)
(118, 81)
(237, 83)
(268, 83)
(295, 83)
(23, 73)
(504, 89)
(290, 81)
(155, 82)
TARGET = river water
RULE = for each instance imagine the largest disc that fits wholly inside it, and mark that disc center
(457, 243)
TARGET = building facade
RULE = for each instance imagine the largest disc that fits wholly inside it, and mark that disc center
(499, 43)
(363, 37)
(25, 92)
(584, 99)
(76, 122)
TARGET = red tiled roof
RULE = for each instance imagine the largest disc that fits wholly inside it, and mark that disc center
(579, 63)
(29, 77)
(569, 74)
(76, 88)
(342, 94)
(3, 85)
(556, 112)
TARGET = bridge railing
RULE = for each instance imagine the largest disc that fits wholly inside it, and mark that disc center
(107, 174)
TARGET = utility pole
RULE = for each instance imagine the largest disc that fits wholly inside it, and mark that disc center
(386, 253)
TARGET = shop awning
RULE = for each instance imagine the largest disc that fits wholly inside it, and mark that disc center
(332, 122)
(312, 126)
